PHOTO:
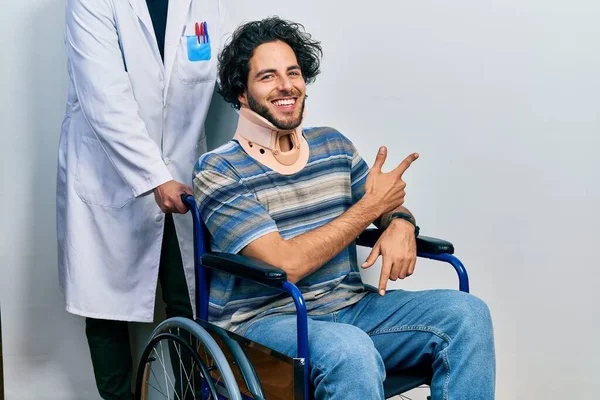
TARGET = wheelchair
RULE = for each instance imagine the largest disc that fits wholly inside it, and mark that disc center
(186, 359)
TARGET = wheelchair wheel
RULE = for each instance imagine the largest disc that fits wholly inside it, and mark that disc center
(183, 362)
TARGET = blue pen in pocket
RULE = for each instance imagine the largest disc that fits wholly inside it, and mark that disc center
(198, 45)
(206, 31)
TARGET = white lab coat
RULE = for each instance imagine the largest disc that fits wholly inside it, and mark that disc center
(131, 124)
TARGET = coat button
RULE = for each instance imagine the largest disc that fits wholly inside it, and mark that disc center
(167, 160)
(158, 217)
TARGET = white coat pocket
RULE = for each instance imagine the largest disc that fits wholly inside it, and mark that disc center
(97, 182)
(193, 70)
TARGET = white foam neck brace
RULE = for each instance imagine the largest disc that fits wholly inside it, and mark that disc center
(262, 141)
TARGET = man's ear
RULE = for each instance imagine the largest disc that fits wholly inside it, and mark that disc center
(243, 98)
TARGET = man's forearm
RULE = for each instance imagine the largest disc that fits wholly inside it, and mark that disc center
(304, 254)
(313, 249)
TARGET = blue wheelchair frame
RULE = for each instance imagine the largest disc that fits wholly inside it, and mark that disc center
(435, 249)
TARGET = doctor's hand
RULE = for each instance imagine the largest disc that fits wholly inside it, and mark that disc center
(386, 190)
(168, 197)
(397, 246)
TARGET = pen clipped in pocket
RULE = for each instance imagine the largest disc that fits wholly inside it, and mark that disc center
(198, 45)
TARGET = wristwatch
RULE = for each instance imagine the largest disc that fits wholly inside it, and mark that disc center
(406, 217)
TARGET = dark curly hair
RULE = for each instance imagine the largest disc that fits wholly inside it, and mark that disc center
(234, 60)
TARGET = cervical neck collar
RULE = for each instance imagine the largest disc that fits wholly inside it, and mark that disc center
(264, 142)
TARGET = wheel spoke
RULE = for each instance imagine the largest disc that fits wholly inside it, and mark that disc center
(190, 379)
(166, 396)
(157, 380)
(168, 379)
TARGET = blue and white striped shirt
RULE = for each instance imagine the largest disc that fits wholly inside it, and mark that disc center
(241, 200)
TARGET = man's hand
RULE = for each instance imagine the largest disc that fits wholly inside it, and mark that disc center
(386, 190)
(168, 197)
(398, 248)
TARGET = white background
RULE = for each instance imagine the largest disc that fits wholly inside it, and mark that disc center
(501, 98)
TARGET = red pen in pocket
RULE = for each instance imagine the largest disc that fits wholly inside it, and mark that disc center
(198, 32)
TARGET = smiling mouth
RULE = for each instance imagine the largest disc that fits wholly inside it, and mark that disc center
(285, 104)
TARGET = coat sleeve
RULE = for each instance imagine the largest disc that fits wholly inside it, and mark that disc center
(106, 97)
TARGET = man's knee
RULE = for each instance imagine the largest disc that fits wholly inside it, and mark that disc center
(344, 360)
(347, 348)
(468, 314)
(473, 309)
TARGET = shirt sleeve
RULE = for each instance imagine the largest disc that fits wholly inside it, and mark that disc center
(359, 173)
(230, 211)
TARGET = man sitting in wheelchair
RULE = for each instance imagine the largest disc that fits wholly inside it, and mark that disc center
(297, 199)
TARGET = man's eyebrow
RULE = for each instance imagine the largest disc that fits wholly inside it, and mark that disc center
(264, 71)
(272, 70)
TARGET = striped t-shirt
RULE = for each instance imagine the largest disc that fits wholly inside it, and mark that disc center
(241, 200)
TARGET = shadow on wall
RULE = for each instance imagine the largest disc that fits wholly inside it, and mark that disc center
(221, 122)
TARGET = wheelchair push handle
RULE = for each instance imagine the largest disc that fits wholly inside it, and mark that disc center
(188, 200)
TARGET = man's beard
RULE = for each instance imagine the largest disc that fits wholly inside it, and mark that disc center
(263, 111)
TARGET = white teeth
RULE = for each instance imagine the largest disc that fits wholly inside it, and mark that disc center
(286, 102)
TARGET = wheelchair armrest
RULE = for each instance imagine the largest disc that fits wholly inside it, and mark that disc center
(425, 244)
(246, 268)
(266, 274)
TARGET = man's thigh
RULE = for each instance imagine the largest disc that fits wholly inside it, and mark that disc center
(275, 332)
(408, 328)
(325, 337)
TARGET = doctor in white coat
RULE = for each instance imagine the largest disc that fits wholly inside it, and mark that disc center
(134, 126)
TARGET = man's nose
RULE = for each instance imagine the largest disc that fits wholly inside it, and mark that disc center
(285, 84)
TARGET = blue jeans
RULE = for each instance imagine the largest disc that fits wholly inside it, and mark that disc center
(447, 331)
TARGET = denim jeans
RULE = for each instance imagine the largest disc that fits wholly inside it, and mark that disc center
(447, 331)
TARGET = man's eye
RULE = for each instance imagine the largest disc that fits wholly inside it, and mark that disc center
(265, 77)
(295, 73)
